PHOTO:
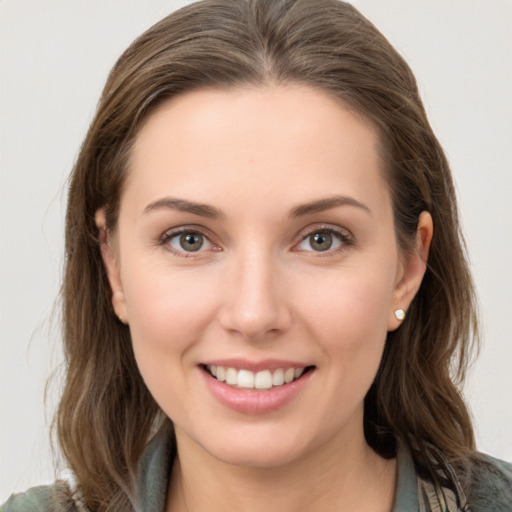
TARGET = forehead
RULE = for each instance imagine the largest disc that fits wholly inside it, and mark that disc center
(275, 142)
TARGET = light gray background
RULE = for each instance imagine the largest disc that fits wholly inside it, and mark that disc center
(54, 58)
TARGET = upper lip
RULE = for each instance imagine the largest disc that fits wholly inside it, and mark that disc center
(255, 366)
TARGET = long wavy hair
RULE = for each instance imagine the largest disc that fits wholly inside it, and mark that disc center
(107, 415)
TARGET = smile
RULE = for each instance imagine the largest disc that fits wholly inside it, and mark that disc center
(261, 380)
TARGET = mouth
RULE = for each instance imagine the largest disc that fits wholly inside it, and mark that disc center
(259, 381)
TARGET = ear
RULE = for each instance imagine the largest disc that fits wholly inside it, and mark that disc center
(111, 263)
(411, 271)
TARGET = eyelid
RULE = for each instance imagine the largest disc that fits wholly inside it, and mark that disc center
(171, 233)
(345, 236)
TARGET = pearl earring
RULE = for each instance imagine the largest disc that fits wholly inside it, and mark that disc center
(400, 314)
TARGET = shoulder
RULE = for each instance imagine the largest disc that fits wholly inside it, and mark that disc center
(151, 485)
(47, 498)
(34, 500)
(489, 485)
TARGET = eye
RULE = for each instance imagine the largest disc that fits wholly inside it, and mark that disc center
(187, 241)
(322, 240)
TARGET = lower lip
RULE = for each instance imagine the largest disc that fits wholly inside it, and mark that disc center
(252, 401)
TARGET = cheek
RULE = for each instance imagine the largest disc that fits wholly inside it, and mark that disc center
(167, 311)
(350, 325)
(350, 309)
(167, 318)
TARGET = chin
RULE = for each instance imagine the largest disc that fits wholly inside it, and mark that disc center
(257, 456)
(260, 448)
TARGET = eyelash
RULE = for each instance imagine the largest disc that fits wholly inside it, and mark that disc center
(345, 240)
(170, 235)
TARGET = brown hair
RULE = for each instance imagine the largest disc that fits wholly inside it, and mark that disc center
(106, 414)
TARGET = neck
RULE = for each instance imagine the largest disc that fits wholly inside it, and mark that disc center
(346, 476)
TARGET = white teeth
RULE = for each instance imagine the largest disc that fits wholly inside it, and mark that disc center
(265, 379)
(289, 375)
(245, 379)
(221, 373)
(278, 377)
(231, 376)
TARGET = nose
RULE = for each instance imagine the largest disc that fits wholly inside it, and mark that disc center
(255, 305)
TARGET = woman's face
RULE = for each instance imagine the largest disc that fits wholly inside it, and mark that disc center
(256, 242)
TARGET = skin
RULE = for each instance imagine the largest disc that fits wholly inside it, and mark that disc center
(258, 289)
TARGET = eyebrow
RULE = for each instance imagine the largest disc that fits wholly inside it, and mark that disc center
(182, 205)
(204, 210)
(326, 204)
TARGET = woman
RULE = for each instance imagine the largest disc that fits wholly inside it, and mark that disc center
(250, 320)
